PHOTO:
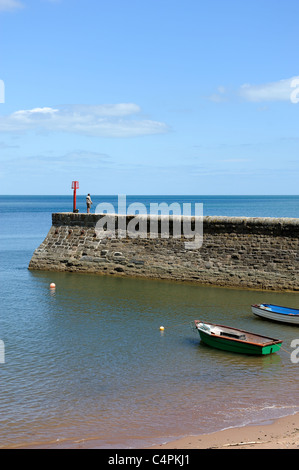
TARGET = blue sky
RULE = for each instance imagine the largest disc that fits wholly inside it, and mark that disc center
(149, 96)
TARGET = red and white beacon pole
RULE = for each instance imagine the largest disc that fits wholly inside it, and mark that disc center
(75, 186)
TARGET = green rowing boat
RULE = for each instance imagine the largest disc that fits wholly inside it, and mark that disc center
(235, 340)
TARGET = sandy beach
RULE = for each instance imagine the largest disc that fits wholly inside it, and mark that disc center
(281, 434)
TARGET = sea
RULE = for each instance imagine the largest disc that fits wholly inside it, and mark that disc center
(86, 365)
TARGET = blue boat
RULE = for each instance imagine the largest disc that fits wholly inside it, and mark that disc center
(276, 313)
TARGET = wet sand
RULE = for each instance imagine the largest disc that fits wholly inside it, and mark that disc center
(281, 434)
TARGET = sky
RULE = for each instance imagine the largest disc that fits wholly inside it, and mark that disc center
(186, 97)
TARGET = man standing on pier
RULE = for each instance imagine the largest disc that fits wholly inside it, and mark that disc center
(88, 203)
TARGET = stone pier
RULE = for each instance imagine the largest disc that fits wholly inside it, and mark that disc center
(258, 253)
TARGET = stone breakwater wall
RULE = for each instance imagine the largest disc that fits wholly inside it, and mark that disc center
(258, 253)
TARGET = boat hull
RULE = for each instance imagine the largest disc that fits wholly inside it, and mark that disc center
(275, 316)
(235, 340)
(240, 348)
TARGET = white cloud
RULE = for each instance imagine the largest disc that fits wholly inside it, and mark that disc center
(28, 112)
(281, 90)
(9, 5)
(119, 109)
(220, 96)
(273, 91)
(107, 120)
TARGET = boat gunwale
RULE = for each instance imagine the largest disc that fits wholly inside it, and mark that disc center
(271, 341)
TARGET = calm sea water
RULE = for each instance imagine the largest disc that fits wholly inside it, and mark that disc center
(87, 365)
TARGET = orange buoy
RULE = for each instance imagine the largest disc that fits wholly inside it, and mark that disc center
(52, 285)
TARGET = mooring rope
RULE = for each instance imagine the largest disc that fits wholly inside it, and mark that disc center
(285, 350)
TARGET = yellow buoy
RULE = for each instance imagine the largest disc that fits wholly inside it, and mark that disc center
(52, 285)
(161, 328)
